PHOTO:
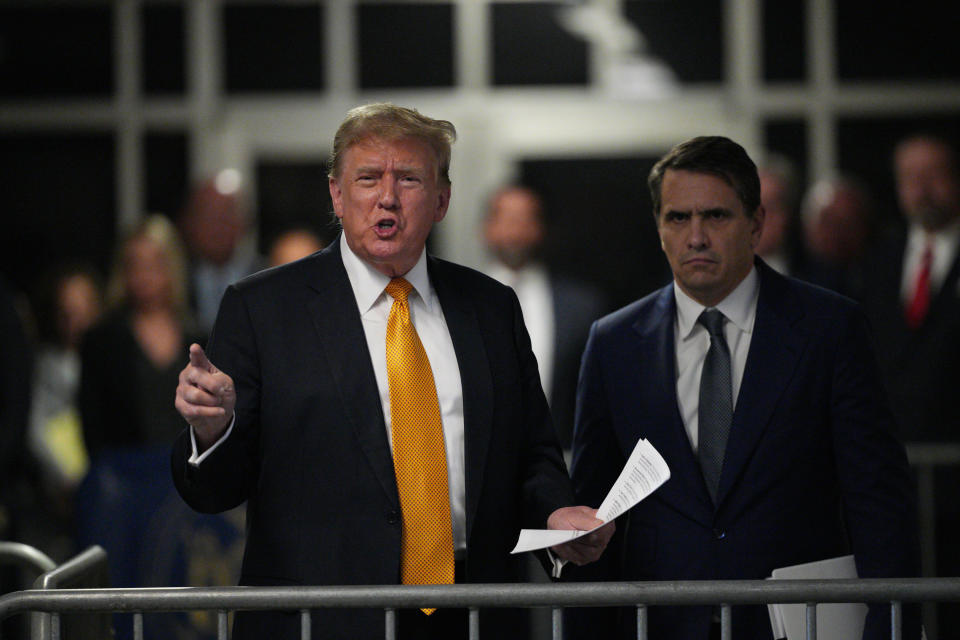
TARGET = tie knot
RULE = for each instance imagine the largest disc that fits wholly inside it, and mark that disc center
(713, 321)
(399, 288)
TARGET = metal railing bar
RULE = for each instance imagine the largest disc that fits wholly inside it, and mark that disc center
(76, 567)
(138, 626)
(693, 592)
(726, 632)
(222, 624)
(474, 622)
(26, 556)
(556, 623)
(305, 623)
(642, 626)
(811, 621)
(896, 620)
(390, 619)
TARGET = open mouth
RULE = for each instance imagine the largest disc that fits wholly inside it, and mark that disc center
(386, 224)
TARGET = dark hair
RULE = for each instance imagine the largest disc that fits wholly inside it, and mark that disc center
(717, 156)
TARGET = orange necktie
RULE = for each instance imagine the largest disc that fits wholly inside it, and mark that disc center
(419, 455)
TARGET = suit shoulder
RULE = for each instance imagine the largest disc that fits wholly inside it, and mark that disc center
(281, 276)
(637, 311)
(817, 299)
(461, 276)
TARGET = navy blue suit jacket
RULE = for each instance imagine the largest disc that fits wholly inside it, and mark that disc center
(811, 471)
(309, 450)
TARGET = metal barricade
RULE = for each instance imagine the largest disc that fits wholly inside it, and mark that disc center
(88, 568)
(926, 458)
(24, 555)
(725, 593)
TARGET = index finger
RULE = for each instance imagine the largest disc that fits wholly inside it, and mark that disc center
(199, 359)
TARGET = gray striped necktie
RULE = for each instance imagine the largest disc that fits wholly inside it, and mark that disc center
(715, 412)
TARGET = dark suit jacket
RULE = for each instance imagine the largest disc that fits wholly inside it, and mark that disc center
(309, 450)
(921, 367)
(811, 471)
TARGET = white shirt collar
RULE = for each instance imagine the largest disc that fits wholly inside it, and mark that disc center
(368, 283)
(740, 307)
(944, 240)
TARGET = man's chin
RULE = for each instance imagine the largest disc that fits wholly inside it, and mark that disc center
(936, 218)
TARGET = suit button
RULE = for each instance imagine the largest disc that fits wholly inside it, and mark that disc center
(719, 533)
(393, 517)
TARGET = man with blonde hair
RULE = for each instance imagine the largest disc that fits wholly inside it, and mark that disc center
(379, 409)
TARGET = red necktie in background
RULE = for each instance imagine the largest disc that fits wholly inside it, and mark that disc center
(917, 309)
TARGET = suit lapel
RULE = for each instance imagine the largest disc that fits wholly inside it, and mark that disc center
(334, 311)
(775, 350)
(467, 337)
(655, 372)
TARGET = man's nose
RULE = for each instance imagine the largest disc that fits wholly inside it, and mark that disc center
(388, 193)
(698, 237)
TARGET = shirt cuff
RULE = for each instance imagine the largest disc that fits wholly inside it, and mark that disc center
(558, 564)
(195, 459)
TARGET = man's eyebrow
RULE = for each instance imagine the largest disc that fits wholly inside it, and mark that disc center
(716, 210)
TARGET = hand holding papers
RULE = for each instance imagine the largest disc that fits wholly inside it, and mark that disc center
(644, 472)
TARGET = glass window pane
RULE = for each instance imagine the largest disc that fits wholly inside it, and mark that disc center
(166, 172)
(56, 51)
(784, 43)
(530, 47)
(163, 50)
(58, 201)
(687, 35)
(273, 48)
(896, 42)
(405, 45)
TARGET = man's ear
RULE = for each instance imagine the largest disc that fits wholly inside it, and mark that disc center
(336, 196)
(443, 203)
(759, 217)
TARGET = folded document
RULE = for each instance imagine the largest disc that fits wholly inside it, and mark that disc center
(644, 472)
(840, 621)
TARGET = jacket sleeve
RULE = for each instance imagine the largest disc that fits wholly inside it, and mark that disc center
(225, 478)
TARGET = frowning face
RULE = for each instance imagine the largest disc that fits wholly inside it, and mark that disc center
(388, 195)
(706, 234)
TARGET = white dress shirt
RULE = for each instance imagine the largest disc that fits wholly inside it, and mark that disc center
(532, 286)
(944, 251)
(693, 341)
(374, 304)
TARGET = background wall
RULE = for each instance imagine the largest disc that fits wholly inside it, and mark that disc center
(111, 109)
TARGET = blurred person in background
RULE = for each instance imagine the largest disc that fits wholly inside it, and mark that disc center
(778, 194)
(215, 228)
(558, 311)
(129, 360)
(912, 295)
(15, 365)
(837, 215)
(69, 301)
(293, 244)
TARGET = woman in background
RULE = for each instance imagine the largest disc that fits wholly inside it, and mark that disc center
(130, 362)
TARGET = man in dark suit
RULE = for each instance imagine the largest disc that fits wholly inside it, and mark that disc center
(558, 311)
(762, 395)
(912, 298)
(378, 409)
